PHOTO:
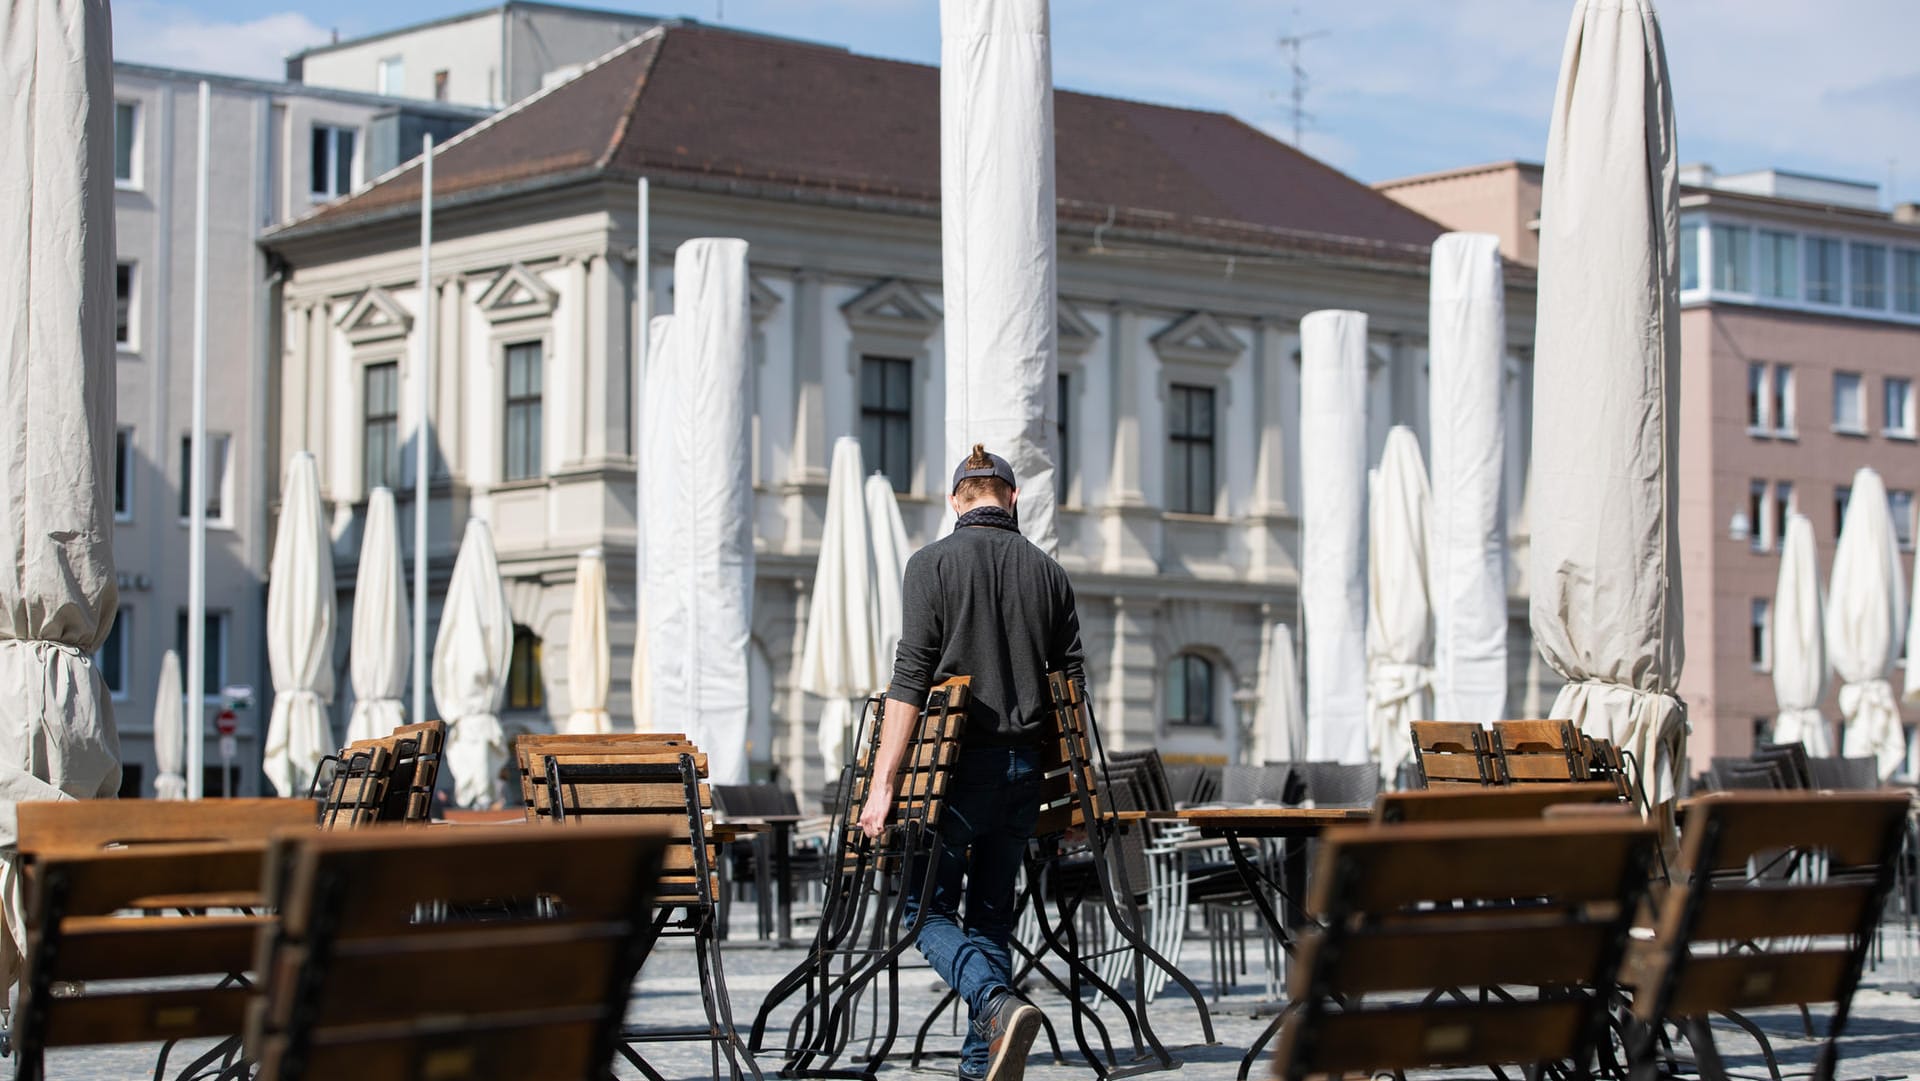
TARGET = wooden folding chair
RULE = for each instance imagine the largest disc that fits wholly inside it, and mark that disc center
(661, 780)
(1737, 932)
(1460, 803)
(1455, 753)
(87, 864)
(384, 779)
(1420, 910)
(356, 985)
(1533, 752)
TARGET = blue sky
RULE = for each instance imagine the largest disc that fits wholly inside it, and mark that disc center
(1395, 87)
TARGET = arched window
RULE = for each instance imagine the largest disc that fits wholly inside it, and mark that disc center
(524, 688)
(1190, 691)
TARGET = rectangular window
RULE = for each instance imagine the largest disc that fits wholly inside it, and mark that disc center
(1897, 407)
(1757, 397)
(1757, 516)
(1063, 439)
(440, 85)
(1782, 511)
(524, 385)
(126, 131)
(1689, 255)
(114, 658)
(1900, 508)
(123, 475)
(1190, 450)
(123, 305)
(218, 477)
(1849, 412)
(392, 74)
(1841, 497)
(1783, 399)
(380, 428)
(214, 669)
(1823, 270)
(1779, 265)
(886, 418)
(1867, 272)
(1733, 258)
(1762, 634)
(332, 165)
(1906, 281)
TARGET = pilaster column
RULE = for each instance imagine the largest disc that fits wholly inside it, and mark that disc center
(809, 383)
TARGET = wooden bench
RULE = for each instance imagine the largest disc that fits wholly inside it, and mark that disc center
(660, 780)
(1736, 932)
(1424, 909)
(1461, 803)
(1455, 753)
(354, 985)
(90, 865)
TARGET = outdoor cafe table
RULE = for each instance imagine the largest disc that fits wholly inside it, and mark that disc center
(782, 827)
(1293, 826)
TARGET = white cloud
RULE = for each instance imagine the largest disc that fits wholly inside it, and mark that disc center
(172, 35)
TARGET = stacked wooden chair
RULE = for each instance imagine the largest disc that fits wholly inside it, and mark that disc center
(1738, 930)
(659, 780)
(123, 893)
(354, 985)
(864, 927)
(1456, 753)
(1534, 914)
(385, 779)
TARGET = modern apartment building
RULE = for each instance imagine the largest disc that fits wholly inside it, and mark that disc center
(1800, 349)
(489, 57)
(1190, 246)
(277, 151)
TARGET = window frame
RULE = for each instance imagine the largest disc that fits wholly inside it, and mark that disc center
(220, 486)
(131, 342)
(1760, 634)
(1782, 513)
(1868, 273)
(1759, 398)
(1187, 394)
(530, 401)
(368, 418)
(1774, 249)
(333, 133)
(1821, 242)
(119, 634)
(134, 180)
(525, 659)
(1903, 281)
(1063, 437)
(1738, 265)
(125, 456)
(215, 617)
(1842, 498)
(1858, 395)
(1187, 663)
(1903, 523)
(1785, 411)
(1759, 517)
(1904, 429)
(396, 66)
(887, 416)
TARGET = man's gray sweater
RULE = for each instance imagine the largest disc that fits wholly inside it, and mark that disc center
(985, 602)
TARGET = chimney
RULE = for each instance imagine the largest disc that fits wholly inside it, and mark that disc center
(1907, 213)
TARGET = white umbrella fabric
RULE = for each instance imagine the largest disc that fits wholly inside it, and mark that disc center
(698, 508)
(57, 593)
(169, 732)
(1400, 616)
(1799, 649)
(1605, 571)
(471, 653)
(382, 647)
(1466, 358)
(589, 656)
(637, 683)
(300, 602)
(997, 243)
(1333, 507)
(1866, 614)
(1280, 724)
(1911, 691)
(840, 658)
(890, 554)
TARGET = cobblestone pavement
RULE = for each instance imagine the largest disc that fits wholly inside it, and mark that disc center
(1883, 1040)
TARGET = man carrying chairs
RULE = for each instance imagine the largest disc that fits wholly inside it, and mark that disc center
(986, 603)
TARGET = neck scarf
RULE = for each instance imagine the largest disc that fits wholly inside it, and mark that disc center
(990, 516)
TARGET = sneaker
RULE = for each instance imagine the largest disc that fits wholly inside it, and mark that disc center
(1013, 1025)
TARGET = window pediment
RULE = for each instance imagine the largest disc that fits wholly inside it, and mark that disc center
(375, 316)
(518, 293)
(762, 301)
(1075, 334)
(892, 307)
(1198, 338)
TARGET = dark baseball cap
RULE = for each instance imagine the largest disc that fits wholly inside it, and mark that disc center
(996, 468)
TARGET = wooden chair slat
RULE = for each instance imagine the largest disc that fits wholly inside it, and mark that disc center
(1390, 868)
(93, 824)
(100, 883)
(146, 1016)
(138, 948)
(1745, 980)
(1479, 803)
(1850, 827)
(1831, 908)
(532, 1051)
(1406, 958)
(1444, 1036)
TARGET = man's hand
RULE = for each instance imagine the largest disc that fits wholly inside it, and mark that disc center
(873, 817)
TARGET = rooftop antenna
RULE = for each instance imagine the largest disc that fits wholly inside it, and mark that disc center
(1298, 95)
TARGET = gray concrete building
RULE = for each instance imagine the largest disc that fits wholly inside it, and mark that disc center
(277, 151)
(1190, 246)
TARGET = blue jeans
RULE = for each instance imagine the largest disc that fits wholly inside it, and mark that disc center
(993, 798)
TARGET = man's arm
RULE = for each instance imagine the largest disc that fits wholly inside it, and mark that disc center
(896, 725)
(913, 670)
(1066, 654)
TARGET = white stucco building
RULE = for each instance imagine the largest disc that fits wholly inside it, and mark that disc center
(1190, 246)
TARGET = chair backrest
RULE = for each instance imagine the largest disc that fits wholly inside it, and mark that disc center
(1744, 775)
(1459, 803)
(933, 746)
(354, 984)
(1455, 753)
(1844, 773)
(1149, 772)
(1540, 751)
(1790, 760)
(1340, 784)
(662, 783)
(353, 784)
(1256, 784)
(1071, 781)
(1734, 890)
(87, 863)
(1415, 909)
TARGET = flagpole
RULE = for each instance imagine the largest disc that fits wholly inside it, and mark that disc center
(422, 461)
(643, 292)
(196, 716)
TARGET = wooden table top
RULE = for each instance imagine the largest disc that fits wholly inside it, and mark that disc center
(1272, 821)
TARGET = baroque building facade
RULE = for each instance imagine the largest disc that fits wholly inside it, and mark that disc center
(1178, 349)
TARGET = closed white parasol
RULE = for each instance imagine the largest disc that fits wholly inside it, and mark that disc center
(299, 633)
(1280, 724)
(470, 658)
(169, 734)
(1605, 571)
(1866, 616)
(1399, 615)
(1333, 573)
(840, 658)
(1799, 649)
(381, 650)
(589, 656)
